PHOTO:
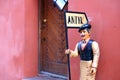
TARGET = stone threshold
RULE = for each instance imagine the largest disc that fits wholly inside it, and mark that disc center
(47, 76)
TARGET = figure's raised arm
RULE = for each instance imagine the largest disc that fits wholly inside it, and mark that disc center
(73, 53)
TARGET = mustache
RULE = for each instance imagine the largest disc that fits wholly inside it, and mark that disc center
(82, 35)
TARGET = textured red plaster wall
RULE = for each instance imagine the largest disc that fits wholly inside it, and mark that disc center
(104, 15)
(18, 39)
(31, 38)
(11, 39)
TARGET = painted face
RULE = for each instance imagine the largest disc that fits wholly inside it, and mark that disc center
(84, 34)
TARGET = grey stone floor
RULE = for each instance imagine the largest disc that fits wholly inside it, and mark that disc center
(47, 77)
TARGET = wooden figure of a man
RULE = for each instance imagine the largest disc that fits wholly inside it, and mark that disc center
(89, 53)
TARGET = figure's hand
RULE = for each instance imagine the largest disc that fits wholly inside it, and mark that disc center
(93, 70)
(67, 51)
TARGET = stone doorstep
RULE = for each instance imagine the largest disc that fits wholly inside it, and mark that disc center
(47, 76)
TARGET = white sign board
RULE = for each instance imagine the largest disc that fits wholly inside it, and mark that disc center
(75, 19)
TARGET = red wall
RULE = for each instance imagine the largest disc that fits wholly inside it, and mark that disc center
(18, 39)
(31, 38)
(104, 15)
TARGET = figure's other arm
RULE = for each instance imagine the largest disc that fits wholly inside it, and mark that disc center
(96, 54)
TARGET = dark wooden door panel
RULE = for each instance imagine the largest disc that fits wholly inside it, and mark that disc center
(53, 39)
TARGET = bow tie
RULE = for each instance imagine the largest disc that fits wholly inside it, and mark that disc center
(83, 41)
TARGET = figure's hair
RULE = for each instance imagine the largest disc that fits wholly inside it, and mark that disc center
(88, 30)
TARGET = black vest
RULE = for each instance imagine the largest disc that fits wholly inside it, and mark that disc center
(87, 53)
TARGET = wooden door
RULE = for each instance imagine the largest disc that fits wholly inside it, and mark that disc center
(53, 44)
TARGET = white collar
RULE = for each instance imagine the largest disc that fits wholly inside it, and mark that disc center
(85, 41)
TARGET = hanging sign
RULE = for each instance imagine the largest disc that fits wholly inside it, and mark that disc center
(75, 19)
